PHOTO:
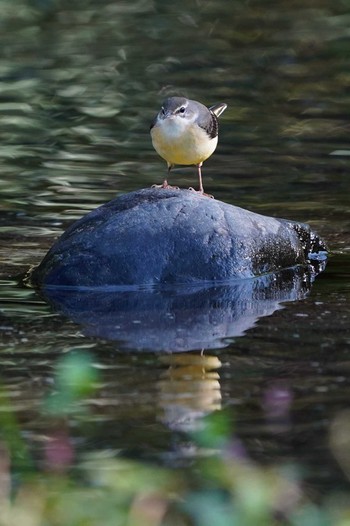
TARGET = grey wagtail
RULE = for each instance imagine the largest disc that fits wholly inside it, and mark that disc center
(186, 132)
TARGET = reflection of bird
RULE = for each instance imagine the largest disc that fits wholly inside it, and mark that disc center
(186, 132)
(188, 390)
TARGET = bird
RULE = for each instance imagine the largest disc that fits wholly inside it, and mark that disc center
(185, 132)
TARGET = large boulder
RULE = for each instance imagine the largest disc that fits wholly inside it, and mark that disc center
(158, 236)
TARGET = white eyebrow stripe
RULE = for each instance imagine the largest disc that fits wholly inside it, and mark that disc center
(184, 105)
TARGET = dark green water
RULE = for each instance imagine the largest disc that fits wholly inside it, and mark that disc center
(79, 83)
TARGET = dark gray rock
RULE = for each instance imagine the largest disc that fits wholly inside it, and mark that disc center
(172, 236)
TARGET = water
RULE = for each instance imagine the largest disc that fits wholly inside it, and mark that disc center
(79, 84)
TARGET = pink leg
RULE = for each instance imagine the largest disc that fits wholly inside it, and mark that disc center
(165, 182)
(201, 189)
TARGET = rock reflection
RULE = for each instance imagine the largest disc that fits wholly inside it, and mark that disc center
(181, 318)
(189, 389)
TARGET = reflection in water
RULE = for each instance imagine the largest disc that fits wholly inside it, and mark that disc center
(339, 439)
(182, 318)
(189, 389)
(277, 403)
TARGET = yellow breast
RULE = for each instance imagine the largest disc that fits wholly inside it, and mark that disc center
(180, 142)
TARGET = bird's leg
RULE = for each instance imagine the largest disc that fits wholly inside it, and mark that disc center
(165, 182)
(165, 185)
(201, 189)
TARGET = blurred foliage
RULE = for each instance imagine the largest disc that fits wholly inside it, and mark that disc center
(75, 379)
(223, 486)
(62, 484)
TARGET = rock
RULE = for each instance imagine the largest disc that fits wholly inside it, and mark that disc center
(157, 236)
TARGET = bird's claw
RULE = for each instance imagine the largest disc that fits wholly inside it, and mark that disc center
(165, 186)
(201, 193)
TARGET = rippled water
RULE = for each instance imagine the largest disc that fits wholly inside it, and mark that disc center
(79, 85)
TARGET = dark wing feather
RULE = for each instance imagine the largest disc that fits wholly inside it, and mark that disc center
(209, 121)
(210, 124)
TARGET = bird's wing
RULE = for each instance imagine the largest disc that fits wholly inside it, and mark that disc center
(209, 122)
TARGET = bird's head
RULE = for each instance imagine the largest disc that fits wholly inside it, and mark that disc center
(179, 110)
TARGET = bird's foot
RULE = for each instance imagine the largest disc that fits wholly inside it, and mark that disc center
(165, 186)
(201, 193)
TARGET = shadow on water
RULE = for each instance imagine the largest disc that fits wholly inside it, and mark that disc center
(180, 318)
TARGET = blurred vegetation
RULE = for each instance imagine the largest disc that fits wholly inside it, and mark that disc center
(222, 486)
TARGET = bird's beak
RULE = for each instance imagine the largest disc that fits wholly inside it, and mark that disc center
(169, 115)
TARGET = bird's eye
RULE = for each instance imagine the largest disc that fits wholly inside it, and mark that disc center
(182, 109)
(162, 111)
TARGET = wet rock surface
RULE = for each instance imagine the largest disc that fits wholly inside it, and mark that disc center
(156, 236)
